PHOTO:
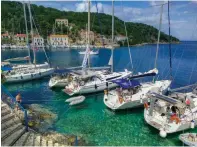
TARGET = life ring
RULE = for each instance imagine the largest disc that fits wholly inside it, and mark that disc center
(146, 106)
(175, 118)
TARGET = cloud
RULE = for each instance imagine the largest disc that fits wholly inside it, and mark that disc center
(65, 9)
(81, 7)
(183, 14)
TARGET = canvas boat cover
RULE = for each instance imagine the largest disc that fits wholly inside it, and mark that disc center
(124, 83)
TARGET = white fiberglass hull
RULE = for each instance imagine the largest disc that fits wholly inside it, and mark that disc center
(28, 75)
(112, 100)
(58, 83)
(185, 118)
(96, 87)
(45, 65)
(91, 53)
(159, 124)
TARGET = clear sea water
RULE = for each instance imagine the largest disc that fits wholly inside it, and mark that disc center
(92, 120)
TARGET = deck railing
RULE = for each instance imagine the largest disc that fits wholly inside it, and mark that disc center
(7, 97)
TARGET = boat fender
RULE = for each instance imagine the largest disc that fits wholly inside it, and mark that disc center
(106, 92)
(146, 105)
(40, 73)
(163, 133)
(21, 77)
(192, 124)
(141, 100)
(32, 75)
(95, 86)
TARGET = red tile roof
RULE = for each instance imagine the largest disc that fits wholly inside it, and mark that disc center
(4, 34)
(20, 35)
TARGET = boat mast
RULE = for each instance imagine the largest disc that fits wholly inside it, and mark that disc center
(169, 38)
(32, 34)
(89, 33)
(158, 39)
(27, 38)
(112, 42)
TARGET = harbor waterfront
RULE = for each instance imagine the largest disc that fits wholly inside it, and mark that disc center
(92, 120)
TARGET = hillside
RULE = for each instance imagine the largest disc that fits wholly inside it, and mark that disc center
(12, 20)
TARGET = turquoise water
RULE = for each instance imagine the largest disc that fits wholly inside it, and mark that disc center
(92, 120)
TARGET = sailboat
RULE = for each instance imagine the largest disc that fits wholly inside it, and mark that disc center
(27, 58)
(62, 78)
(131, 93)
(175, 112)
(29, 72)
(91, 82)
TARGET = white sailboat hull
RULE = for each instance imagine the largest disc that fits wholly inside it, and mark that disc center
(186, 120)
(45, 65)
(58, 83)
(112, 100)
(172, 127)
(29, 75)
(95, 86)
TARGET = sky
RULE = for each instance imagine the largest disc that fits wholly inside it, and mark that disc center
(183, 14)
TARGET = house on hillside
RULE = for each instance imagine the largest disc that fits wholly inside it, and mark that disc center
(58, 40)
(61, 22)
(83, 35)
(38, 41)
(20, 39)
(120, 38)
(5, 35)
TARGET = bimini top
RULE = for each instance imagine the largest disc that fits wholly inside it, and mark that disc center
(127, 83)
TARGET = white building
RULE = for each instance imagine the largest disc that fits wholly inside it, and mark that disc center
(58, 40)
(120, 38)
(61, 22)
(38, 41)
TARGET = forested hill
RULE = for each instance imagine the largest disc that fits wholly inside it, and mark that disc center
(12, 20)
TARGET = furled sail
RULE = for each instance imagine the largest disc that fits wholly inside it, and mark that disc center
(85, 59)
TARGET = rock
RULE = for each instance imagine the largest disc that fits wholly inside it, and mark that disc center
(40, 118)
(65, 139)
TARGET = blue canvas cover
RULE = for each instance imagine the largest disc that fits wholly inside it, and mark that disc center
(124, 83)
(6, 68)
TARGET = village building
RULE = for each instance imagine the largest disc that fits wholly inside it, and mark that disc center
(120, 38)
(5, 36)
(38, 41)
(58, 40)
(20, 39)
(61, 22)
(84, 37)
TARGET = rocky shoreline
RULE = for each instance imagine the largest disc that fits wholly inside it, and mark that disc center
(41, 120)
